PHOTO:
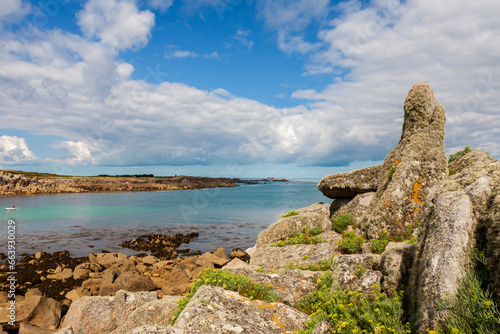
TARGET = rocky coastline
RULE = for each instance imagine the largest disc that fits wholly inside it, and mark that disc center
(392, 253)
(19, 185)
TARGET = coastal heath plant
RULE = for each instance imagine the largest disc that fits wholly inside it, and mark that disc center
(290, 214)
(351, 312)
(471, 310)
(341, 222)
(351, 243)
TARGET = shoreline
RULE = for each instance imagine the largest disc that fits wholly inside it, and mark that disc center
(160, 267)
(15, 183)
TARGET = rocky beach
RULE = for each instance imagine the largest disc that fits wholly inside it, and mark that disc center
(395, 252)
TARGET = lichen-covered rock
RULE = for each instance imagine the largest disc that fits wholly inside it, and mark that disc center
(28, 329)
(270, 257)
(161, 330)
(347, 270)
(356, 207)
(317, 215)
(153, 313)
(96, 315)
(395, 264)
(493, 247)
(443, 252)
(215, 310)
(370, 279)
(479, 175)
(416, 163)
(289, 288)
(350, 184)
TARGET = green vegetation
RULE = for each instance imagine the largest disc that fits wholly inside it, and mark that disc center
(223, 278)
(323, 265)
(471, 310)
(353, 311)
(126, 175)
(341, 222)
(34, 174)
(306, 237)
(378, 245)
(351, 243)
(360, 271)
(459, 154)
(290, 214)
(392, 170)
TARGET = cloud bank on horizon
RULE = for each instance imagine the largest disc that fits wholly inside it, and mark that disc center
(68, 78)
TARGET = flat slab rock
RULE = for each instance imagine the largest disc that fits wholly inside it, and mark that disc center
(289, 288)
(161, 330)
(350, 184)
(316, 215)
(270, 257)
(215, 310)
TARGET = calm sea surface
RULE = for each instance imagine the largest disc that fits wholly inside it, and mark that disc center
(86, 223)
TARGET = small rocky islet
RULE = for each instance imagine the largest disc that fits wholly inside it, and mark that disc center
(419, 221)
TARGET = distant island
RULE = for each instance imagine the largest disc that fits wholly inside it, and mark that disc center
(22, 183)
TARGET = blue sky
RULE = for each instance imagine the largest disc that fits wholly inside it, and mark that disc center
(239, 88)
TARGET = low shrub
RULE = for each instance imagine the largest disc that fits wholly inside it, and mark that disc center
(378, 245)
(471, 310)
(351, 243)
(324, 265)
(306, 237)
(223, 278)
(353, 311)
(341, 222)
(459, 154)
(290, 214)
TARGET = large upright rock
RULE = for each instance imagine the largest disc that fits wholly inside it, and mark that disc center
(419, 162)
(443, 252)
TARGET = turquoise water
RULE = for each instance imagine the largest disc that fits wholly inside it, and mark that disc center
(85, 223)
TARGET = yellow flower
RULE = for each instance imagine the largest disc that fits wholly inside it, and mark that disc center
(488, 303)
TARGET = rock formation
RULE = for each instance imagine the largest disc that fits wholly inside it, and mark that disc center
(18, 185)
(451, 209)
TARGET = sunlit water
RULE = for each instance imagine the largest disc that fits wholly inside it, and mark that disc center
(86, 223)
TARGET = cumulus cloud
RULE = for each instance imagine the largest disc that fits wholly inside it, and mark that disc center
(15, 150)
(118, 23)
(13, 10)
(78, 152)
(73, 87)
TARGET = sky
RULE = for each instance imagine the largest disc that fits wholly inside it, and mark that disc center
(238, 88)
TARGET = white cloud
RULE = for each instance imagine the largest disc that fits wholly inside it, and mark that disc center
(241, 37)
(79, 152)
(76, 89)
(174, 52)
(15, 150)
(293, 15)
(162, 5)
(117, 23)
(13, 10)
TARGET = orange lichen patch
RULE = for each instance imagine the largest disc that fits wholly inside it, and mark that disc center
(277, 321)
(416, 196)
(386, 205)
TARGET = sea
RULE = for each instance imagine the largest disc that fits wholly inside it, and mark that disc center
(92, 222)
